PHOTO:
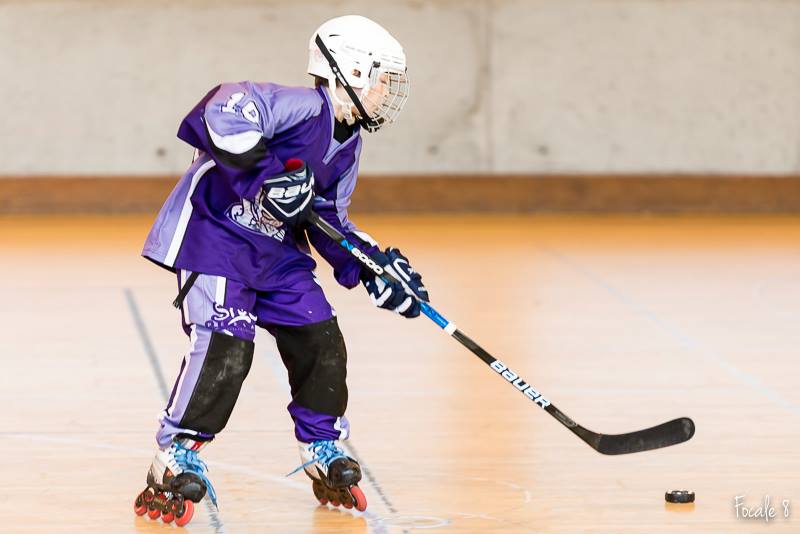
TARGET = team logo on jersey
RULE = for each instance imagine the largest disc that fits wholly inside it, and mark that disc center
(250, 215)
(234, 321)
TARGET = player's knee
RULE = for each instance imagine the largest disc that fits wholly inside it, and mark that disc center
(316, 359)
(226, 365)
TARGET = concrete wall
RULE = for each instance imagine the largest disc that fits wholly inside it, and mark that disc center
(529, 86)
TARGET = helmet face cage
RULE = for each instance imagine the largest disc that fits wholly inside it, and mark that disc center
(385, 96)
(381, 90)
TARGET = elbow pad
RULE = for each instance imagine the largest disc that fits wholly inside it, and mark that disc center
(245, 160)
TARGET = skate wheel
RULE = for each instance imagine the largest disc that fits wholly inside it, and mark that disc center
(154, 513)
(188, 511)
(358, 497)
(348, 505)
(323, 501)
(139, 507)
(335, 503)
(168, 518)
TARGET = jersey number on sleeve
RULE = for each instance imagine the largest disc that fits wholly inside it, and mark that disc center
(249, 110)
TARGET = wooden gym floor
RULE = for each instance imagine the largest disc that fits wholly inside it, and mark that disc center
(623, 322)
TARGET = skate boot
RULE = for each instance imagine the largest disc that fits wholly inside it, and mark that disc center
(334, 475)
(175, 482)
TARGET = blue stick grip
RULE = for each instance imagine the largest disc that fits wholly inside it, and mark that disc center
(434, 316)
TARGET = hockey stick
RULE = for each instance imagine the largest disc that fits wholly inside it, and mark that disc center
(657, 437)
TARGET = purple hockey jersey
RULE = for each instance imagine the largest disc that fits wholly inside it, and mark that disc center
(213, 221)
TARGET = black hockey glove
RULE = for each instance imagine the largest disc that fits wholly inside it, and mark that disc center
(395, 297)
(288, 196)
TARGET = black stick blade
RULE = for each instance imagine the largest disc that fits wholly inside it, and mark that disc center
(657, 437)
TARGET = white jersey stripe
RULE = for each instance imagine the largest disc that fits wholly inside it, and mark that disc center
(186, 213)
(188, 360)
(219, 297)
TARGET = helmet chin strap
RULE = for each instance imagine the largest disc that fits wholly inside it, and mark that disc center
(365, 120)
(345, 109)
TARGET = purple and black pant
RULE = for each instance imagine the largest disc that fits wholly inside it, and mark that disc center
(307, 336)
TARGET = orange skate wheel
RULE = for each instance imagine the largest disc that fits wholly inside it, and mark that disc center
(323, 501)
(188, 511)
(139, 507)
(335, 503)
(154, 513)
(358, 497)
(168, 518)
(139, 504)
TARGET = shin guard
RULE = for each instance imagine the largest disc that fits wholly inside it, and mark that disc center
(316, 359)
(226, 365)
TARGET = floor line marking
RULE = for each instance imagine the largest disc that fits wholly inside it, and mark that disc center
(147, 344)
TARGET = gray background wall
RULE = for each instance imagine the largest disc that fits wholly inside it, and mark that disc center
(595, 86)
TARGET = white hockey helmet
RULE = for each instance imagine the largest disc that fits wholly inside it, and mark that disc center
(370, 61)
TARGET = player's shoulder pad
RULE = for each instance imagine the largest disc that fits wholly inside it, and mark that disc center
(289, 106)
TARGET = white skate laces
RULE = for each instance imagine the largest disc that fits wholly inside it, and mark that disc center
(187, 461)
(323, 452)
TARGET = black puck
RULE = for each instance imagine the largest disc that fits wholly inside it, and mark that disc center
(679, 496)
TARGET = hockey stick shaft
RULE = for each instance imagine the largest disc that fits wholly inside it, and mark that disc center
(670, 433)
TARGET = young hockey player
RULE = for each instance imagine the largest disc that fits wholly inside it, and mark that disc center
(234, 230)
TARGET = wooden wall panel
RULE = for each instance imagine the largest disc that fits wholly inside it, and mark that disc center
(461, 193)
